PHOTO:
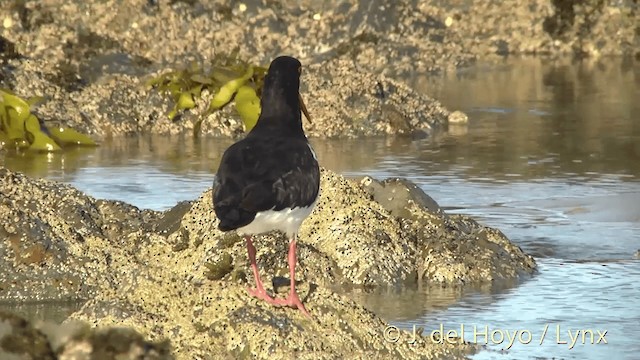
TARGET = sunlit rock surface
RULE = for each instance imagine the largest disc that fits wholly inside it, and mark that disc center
(174, 275)
(90, 59)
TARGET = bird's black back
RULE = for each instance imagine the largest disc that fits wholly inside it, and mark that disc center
(273, 168)
(255, 176)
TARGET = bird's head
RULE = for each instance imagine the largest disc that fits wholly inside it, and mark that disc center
(281, 100)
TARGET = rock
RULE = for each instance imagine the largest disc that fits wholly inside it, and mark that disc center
(55, 241)
(587, 28)
(458, 117)
(20, 339)
(350, 237)
(217, 319)
(169, 222)
(398, 195)
(90, 59)
(344, 102)
(135, 276)
(351, 103)
(373, 246)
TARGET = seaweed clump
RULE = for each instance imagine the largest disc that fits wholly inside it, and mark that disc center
(228, 79)
(21, 130)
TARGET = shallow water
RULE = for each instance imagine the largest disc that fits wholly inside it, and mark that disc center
(551, 156)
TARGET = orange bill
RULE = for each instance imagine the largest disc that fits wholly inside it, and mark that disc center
(303, 107)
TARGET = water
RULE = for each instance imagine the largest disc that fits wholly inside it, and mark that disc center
(551, 156)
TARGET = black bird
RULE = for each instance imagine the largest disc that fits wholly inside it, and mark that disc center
(270, 180)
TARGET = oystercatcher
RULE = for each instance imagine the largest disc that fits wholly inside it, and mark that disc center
(270, 180)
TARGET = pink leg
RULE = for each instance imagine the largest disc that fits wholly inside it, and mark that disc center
(293, 300)
(259, 292)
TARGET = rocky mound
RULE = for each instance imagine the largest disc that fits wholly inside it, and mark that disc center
(173, 275)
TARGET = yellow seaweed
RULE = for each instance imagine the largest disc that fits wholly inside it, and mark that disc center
(67, 136)
(21, 107)
(185, 102)
(201, 79)
(223, 75)
(196, 91)
(248, 106)
(35, 100)
(4, 117)
(4, 140)
(226, 92)
(225, 79)
(14, 123)
(40, 141)
(20, 129)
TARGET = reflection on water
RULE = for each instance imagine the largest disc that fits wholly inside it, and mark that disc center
(558, 118)
(46, 311)
(404, 305)
(551, 156)
(566, 296)
(149, 172)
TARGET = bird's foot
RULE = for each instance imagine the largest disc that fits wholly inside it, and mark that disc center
(262, 294)
(293, 301)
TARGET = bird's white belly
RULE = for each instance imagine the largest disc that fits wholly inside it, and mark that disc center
(286, 220)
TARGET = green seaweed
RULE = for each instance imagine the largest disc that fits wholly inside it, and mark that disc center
(228, 79)
(229, 239)
(217, 270)
(20, 129)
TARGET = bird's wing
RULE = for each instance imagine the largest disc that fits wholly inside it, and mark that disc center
(257, 176)
(299, 185)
